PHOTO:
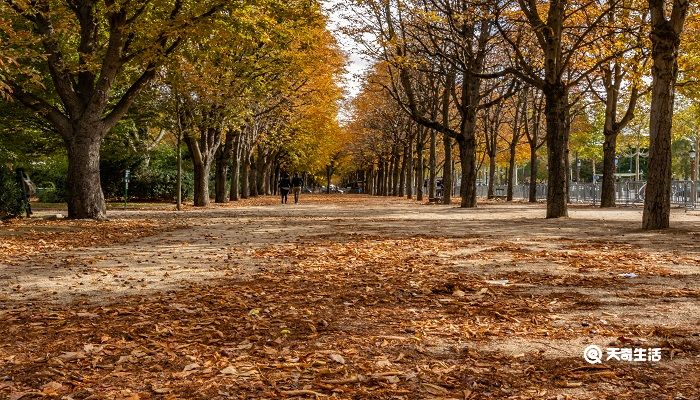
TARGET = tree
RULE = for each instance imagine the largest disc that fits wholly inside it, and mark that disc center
(666, 29)
(558, 34)
(97, 60)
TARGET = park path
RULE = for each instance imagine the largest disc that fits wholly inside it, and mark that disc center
(359, 296)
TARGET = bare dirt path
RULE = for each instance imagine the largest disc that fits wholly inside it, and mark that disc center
(353, 297)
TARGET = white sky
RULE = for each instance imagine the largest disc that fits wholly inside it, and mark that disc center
(357, 63)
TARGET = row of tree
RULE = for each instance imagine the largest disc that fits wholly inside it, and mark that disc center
(248, 87)
(523, 73)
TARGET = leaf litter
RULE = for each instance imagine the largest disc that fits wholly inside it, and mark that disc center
(353, 316)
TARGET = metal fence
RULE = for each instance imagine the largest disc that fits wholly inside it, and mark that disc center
(626, 192)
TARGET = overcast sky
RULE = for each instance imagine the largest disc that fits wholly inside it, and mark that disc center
(357, 64)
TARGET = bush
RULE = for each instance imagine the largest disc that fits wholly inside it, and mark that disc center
(49, 175)
(11, 204)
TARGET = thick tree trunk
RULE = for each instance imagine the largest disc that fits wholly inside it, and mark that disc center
(665, 43)
(607, 198)
(223, 157)
(85, 196)
(447, 171)
(556, 110)
(201, 183)
(467, 158)
(432, 164)
(202, 159)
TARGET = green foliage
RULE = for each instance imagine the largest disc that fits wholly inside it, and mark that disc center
(49, 175)
(11, 203)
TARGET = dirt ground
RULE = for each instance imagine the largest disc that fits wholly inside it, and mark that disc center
(348, 297)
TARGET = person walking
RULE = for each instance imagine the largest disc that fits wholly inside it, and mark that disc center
(297, 182)
(284, 186)
(27, 188)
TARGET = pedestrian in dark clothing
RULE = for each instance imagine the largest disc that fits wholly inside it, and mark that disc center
(27, 187)
(284, 186)
(297, 182)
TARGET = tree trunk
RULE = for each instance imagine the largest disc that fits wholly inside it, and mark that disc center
(556, 110)
(402, 177)
(223, 157)
(447, 171)
(245, 179)
(260, 165)
(532, 198)
(492, 175)
(665, 38)
(85, 196)
(395, 173)
(607, 198)
(419, 166)
(202, 159)
(380, 177)
(511, 171)
(329, 172)
(235, 192)
(467, 153)
(409, 168)
(201, 183)
(253, 178)
(432, 164)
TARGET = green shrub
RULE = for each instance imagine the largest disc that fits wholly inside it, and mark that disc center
(11, 204)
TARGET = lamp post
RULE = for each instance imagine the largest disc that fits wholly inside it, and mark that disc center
(692, 154)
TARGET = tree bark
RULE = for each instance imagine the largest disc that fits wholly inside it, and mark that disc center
(532, 196)
(201, 184)
(607, 198)
(409, 167)
(85, 196)
(432, 164)
(235, 193)
(467, 151)
(223, 157)
(511, 172)
(492, 175)
(245, 172)
(556, 110)
(396, 171)
(419, 166)
(447, 171)
(665, 39)
(402, 177)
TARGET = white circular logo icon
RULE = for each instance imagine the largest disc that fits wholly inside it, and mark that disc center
(593, 354)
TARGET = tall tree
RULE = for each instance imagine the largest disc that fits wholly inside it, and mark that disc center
(98, 57)
(666, 29)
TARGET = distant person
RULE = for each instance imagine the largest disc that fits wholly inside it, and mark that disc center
(284, 186)
(297, 182)
(440, 188)
(27, 188)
